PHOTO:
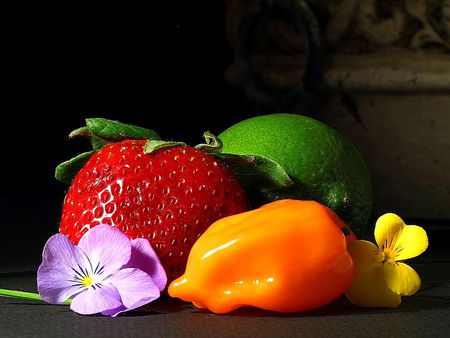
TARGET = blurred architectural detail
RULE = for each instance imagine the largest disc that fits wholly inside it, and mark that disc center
(277, 52)
(384, 82)
(409, 23)
(277, 47)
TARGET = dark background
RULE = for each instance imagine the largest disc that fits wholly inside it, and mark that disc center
(160, 67)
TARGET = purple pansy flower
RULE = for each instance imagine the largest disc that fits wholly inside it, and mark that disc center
(106, 273)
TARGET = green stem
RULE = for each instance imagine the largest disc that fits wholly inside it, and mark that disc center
(23, 295)
(213, 144)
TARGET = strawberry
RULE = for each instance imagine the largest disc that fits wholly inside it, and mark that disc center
(169, 195)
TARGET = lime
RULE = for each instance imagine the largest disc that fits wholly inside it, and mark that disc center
(323, 165)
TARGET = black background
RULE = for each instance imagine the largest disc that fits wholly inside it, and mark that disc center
(161, 67)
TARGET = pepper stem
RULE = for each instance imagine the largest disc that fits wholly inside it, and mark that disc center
(24, 295)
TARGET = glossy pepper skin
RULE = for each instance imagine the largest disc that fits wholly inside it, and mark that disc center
(287, 256)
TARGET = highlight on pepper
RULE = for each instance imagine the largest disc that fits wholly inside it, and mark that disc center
(380, 276)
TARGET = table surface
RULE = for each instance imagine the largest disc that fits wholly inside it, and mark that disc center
(426, 314)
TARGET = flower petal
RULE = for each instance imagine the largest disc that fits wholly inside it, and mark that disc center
(115, 312)
(130, 293)
(134, 285)
(54, 286)
(143, 257)
(364, 254)
(96, 300)
(401, 278)
(107, 246)
(369, 288)
(56, 278)
(411, 242)
(387, 229)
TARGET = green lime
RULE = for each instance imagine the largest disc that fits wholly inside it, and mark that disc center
(323, 165)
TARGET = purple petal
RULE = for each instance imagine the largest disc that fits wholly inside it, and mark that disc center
(55, 274)
(107, 247)
(144, 258)
(115, 312)
(96, 300)
(136, 289)
(53, 285)
(134, 286)
(120, 309)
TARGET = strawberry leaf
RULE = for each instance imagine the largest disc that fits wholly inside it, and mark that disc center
(257, 173)
(116, 131)
(153, 145)
(66, 171)
(96, 142)
(100, 132)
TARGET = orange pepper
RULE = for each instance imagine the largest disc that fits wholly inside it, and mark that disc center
(287, 256)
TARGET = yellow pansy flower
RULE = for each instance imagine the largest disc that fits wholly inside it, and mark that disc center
(380, 278)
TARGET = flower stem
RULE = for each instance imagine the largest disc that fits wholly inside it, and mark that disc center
(23, 295)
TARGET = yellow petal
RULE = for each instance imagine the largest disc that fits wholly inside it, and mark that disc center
(401, 278)
(411, 242)
(397, 240)
(387, 230)
(364, 254)
(369, 288)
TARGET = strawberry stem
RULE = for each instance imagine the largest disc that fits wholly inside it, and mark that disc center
(212, 144)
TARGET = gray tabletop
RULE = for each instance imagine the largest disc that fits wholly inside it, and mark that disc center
(427, 314)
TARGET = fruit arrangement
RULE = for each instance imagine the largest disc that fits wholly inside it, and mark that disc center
(170, 193)
(265, 215)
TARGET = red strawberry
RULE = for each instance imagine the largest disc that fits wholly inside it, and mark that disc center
(169, 196)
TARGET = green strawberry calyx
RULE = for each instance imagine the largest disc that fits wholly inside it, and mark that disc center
(100, 132)
(259, 175)
(153, 145)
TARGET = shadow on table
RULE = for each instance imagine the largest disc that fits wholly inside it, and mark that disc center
(164, 305)
(426, 299)
(430, 297)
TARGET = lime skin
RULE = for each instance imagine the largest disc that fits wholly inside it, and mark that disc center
(324, 166)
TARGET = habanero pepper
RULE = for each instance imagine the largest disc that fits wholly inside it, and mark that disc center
(286, 256)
